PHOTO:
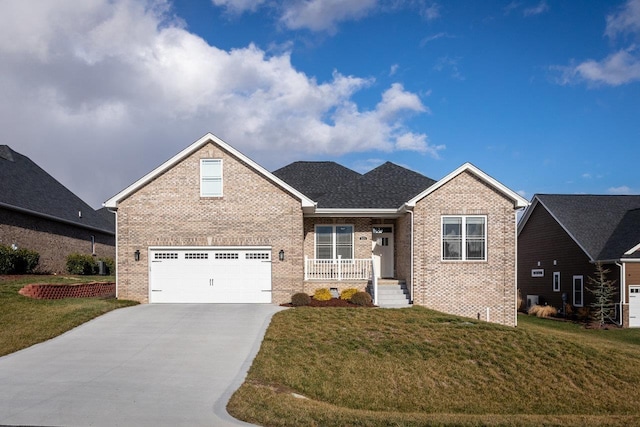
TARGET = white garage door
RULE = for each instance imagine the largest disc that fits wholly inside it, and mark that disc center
(634, 306)
(210, 275)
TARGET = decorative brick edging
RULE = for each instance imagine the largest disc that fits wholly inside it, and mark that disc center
(82, 290)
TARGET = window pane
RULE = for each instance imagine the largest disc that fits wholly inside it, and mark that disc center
(324, 235)
(345, 251)
(212, 168)
(324, 252)
(344, 234)
(452, 226)
(211, 187)
(475, 227)
(475, 249)
(452, 238)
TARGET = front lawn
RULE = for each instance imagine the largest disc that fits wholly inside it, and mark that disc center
(413, 366)
(25, 321)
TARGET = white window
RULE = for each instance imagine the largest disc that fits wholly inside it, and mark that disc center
(211, 177)
(464, 238)
(93, 245)
(333, 241)
(556, 281)
(578, 291)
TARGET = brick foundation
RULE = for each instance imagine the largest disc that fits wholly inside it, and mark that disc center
(82, 290)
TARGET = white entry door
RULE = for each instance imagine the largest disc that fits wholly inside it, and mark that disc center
(634, 306)
(382, 242)
(210, 275)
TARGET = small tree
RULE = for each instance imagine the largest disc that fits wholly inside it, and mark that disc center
(604, 292)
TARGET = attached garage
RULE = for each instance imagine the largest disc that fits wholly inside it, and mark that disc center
(634, 306)
(210, 274)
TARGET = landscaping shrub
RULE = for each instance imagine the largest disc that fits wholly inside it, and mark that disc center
(542, 311)
(300, 299)
(80, 264)
(17, 261)
(322, 294)
(361, 298)
(348, 293)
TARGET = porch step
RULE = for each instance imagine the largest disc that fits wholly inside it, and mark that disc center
(391, 293)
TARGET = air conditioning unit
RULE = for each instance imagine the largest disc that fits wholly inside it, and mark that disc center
(532, 300)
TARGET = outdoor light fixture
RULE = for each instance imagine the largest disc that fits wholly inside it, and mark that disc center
(136, 255)
(281, 255)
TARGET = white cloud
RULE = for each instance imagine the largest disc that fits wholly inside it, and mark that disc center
(451, 64)
(540, 8)
(618, 68)
(623, 189)
(431, 12)
(625, 20)
(239, 6)
(323, 15)
(394, 69)
(433, 37)
(99, 93)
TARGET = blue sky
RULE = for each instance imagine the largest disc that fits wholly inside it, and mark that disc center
(542, 95)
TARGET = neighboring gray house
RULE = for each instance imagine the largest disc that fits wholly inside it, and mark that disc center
(561, 237)
(39, 213)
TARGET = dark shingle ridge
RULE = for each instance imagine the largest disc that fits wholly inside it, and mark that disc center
(334, 186)
(315, 179)
(25, 186)
(602, 224)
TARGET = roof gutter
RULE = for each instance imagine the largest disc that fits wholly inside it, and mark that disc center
(352, 213)
(54, 218)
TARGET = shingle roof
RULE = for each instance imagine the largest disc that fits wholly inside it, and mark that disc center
(387, 186)
(315, 179)
(334, 186)
(27, 187)
(604, 226)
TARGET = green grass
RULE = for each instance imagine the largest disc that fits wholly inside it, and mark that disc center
(25, 321)
(419, 367)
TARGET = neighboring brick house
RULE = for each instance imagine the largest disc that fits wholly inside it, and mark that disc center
(562, 237)
(211, 225)
(39, 213)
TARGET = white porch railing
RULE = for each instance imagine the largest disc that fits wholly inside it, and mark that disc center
(337, 269)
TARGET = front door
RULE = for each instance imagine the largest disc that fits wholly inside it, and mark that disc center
(382, 249)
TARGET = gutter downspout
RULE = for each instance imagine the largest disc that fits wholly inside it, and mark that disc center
(115, 212)
(623, 291)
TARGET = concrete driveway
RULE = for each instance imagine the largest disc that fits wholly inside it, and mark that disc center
(169, 364)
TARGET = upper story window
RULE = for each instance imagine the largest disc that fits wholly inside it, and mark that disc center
(464, 238)
(333, 241)
(211, 177)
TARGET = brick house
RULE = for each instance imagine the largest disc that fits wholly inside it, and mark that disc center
(211, 225)
(562, 237)
(39, 213)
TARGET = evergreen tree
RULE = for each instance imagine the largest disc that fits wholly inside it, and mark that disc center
(603, 307)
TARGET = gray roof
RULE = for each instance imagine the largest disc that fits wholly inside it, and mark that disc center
(604, 226)
(26, 187)
(334, 186)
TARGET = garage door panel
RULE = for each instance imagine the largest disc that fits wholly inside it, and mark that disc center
(239, 275)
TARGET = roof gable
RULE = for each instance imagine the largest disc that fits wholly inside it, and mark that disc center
(518, 201)
(206, 139)
(27, 188)
(388, 186)
(604, 226)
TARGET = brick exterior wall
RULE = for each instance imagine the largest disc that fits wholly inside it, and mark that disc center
(466, 288)
(170, 212)
(82, 290)
(51, 239)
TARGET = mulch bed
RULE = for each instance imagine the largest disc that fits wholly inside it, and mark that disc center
(334, 302)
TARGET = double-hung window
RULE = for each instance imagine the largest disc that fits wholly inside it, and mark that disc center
(464, 238)
(210, 177)
(333, 241)
(578, 291)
